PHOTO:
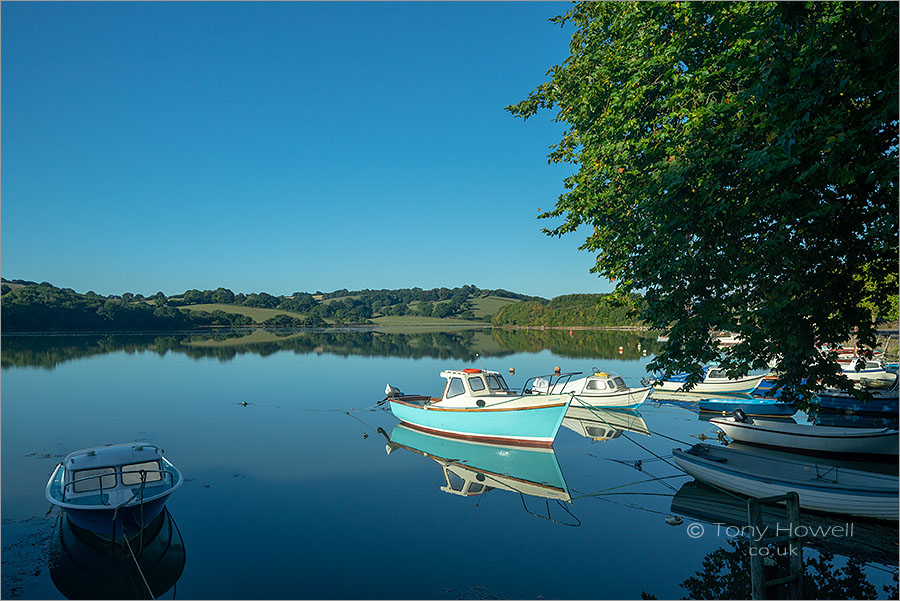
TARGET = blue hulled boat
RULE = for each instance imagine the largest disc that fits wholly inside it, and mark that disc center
(750, 405)
(113, 490)
(478, 405)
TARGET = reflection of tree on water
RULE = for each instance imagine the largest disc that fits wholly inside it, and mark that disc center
(725, 574)
(49, 351)
(581, 344)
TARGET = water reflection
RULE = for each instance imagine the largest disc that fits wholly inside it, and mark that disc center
(604, 424)
(85, 566)
(464, 345)
(726, 572)
(471, 468)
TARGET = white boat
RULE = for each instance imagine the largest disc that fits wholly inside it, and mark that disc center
(826, 439)
(600, 389)
(820, 487)
(871, 373)
(113, 489)
(478, 405)
(714, 381)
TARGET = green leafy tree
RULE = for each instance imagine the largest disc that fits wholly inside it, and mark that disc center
(738, 163)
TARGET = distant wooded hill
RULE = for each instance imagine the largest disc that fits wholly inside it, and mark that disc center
(31, 307)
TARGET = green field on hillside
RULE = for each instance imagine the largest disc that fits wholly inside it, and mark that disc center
(257, 314)
(489, 305)
(414, 320)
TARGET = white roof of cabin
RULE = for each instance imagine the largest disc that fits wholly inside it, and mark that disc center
(112, 455)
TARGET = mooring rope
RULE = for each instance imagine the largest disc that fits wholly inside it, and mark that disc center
(137, 564)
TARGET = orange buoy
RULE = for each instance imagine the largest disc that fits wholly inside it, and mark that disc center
(471, 370)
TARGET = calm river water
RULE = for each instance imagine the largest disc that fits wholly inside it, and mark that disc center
(290, 492)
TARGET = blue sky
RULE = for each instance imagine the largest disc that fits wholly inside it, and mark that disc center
(281, 147)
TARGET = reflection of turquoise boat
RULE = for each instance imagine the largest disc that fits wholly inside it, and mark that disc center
(472, 468)
(478, 405)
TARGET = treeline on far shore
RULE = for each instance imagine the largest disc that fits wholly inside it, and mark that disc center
(42, 307)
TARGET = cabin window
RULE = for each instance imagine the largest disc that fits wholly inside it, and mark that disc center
(620, 383)
(131, 474)
(716, 373)
(455, 388)
(596, 385)
(104, 475)
(598, 432)
(454, 481)
(476, 488)
(872, 366)
(476, 384)
(496, 382)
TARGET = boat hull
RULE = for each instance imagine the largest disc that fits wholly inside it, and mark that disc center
(840, 401)
(880, 502)
(746, 384)
(631, 399)
(534, 425)
(110, 524)
(824, 439)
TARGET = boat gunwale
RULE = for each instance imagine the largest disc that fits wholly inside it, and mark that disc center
(864, 432)
(434, 407)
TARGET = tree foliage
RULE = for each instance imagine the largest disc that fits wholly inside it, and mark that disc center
(572, 310)
(738, 162)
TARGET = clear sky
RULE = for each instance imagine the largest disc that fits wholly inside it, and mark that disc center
(281, 147)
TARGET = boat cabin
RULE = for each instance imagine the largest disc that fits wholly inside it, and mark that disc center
(601, 381)
(113, 474)
(465, 384)
(464, 484)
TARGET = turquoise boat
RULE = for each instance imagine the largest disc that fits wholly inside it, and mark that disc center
(478, 405)
(472, 468)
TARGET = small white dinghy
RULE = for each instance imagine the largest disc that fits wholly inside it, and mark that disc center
(825, 439)
(819, 486)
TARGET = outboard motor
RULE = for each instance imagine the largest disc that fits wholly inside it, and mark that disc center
(739, 415)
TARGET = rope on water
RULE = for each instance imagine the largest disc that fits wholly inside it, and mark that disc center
(654, 479)
(137, 565)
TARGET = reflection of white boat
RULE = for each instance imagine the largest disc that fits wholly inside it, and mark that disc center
(114, 489)
(820, 487)
(85, 566)
(867, 541)
(604, 424)
(884, 400)
(826, 439)
(472, 468)
(714, 380)
(478, 405)
(600, 389)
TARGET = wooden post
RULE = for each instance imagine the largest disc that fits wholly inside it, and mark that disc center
(757, 569)
(795, 547)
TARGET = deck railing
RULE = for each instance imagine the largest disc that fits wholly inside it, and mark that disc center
(560, 382)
